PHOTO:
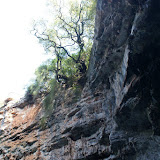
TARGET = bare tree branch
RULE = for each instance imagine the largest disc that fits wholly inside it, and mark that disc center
(73, 36)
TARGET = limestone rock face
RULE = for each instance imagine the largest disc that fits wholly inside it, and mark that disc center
(117, 116)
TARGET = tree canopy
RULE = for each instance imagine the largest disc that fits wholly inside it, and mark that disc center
(68, 37)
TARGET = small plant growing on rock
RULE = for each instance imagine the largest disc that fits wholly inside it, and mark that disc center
(42, 123)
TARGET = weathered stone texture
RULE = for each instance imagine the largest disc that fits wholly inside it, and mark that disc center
(117, 116)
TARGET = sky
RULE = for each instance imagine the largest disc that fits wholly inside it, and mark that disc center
(20, 52)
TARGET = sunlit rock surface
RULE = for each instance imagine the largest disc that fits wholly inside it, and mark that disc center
(117, 116)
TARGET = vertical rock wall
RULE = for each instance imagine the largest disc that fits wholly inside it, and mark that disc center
(125, 66)
(117, 116)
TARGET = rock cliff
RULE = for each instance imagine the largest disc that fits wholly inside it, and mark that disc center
(117, 116)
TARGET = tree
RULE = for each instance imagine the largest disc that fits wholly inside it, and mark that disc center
(69, 38)
(41, 83)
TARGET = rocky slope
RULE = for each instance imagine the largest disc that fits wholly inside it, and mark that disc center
(117, 116)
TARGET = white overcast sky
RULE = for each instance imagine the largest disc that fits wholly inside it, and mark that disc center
(20, 53)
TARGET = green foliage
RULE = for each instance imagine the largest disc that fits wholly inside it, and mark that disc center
(41, 83)
(42, 123)
(69, 38)
(48, 101)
